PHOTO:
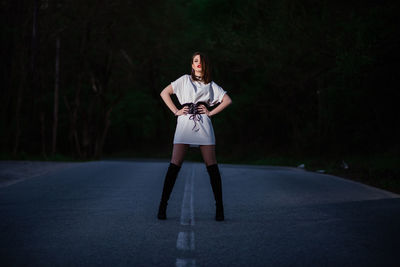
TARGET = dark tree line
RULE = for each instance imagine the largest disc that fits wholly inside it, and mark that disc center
(309, 77)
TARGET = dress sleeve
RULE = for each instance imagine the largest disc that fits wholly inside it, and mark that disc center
(218, 94)
(177, 87)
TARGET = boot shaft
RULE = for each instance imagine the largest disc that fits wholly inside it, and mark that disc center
(169, 182)
(216, 182)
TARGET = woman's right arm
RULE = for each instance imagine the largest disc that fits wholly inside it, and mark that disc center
(166, 96)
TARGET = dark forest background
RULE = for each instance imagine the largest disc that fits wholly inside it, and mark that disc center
(307, 78)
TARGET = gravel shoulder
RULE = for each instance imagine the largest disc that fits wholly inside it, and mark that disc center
(12, 172)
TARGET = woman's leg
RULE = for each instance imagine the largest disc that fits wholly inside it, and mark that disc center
(178, 154)
(210, 159)
(208, 153)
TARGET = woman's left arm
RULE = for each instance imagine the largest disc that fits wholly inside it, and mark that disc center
(226, 101)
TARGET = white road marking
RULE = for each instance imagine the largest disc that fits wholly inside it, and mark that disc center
(185, 262)
(185, 241)
(187, 214)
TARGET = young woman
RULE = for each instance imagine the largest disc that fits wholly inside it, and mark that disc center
(196, 93)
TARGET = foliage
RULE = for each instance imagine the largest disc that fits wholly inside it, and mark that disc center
(305, 77)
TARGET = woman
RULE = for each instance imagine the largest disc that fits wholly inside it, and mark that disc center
(195, 92)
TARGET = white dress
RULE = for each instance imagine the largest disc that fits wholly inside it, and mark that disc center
(189, 91)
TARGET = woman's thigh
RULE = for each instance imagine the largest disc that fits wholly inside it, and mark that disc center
(178, 153)
(208, 153)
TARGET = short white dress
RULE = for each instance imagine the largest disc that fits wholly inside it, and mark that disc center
(189, 91)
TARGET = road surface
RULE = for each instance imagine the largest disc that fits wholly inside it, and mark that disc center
(104, 213)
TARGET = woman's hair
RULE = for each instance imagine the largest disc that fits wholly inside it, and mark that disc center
(205, 65)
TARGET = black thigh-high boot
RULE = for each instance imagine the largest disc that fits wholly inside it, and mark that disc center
(169, 183)
(216, 184)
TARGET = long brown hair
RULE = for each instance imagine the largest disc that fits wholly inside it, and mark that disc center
(205, 65)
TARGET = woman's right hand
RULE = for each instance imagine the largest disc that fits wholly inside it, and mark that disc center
(183, 111)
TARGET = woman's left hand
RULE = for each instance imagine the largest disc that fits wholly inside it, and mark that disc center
(203, 110)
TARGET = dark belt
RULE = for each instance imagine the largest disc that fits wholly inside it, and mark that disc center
(195, 115)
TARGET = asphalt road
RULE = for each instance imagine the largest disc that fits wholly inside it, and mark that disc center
(104, 214)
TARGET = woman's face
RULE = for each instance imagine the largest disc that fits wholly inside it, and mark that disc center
(196, 65)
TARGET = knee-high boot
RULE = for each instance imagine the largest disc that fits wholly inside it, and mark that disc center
(216, 184)
(169, 183)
